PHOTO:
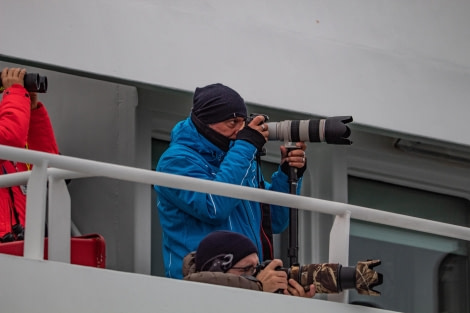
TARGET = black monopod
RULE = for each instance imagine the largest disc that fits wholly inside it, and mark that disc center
(293, 249)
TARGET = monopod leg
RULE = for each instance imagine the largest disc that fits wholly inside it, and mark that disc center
(292, 251)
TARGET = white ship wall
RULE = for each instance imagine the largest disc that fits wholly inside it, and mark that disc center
(394, 65)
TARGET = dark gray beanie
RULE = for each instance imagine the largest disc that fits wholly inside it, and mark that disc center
(223, 242)
(216, 103)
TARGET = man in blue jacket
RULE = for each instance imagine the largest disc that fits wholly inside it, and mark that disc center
(214, 143)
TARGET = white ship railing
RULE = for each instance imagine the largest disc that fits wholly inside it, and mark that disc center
(54, 169)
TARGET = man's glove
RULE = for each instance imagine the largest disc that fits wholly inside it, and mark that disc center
(252, 136)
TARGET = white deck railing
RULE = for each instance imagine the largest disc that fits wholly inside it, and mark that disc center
(56, 168)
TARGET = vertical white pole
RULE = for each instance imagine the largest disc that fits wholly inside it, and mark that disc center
(339, 248)
(59, 222)
(36, 212)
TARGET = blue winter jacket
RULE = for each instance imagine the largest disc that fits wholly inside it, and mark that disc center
(186, 216)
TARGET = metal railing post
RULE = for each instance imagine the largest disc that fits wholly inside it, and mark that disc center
(59, 221)
(339, 249)
(36, 212)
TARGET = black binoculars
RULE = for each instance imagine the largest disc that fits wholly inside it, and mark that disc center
(33, 82)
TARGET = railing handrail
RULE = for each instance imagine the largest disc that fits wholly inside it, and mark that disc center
(66, 167)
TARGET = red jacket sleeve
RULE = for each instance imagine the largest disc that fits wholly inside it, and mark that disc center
(15, 110)
(41, 134)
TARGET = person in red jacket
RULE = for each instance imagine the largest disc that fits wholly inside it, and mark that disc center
(24, 123)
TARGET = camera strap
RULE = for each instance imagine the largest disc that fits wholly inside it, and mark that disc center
(13, 207)
(266, 231)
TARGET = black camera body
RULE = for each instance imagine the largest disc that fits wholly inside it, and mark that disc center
(253, 115)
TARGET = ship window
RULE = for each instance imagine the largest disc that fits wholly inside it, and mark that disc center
(419, 269)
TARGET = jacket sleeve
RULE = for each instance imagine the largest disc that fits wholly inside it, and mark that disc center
(209, 208)
(14, 116)
(225, 279)
(41, 134)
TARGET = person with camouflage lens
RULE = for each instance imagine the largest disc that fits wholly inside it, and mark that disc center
(229, 259)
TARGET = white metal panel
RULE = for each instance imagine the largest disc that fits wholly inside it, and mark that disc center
(48, 286)
(397, 65)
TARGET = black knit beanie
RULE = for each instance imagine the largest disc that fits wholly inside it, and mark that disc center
(220, 243)
(216, 103)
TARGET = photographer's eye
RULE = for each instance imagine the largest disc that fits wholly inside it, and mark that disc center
(235, 122)
(246, 270)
